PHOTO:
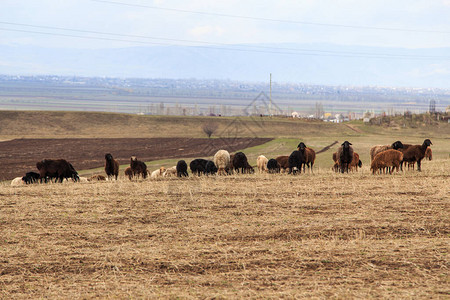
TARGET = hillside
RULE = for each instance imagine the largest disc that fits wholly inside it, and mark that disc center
(43, 124)
(30, 124)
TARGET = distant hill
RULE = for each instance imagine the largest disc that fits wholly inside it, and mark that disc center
(319, 63)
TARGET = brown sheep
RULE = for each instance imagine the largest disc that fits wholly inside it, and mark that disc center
(230, 167)
(129, 173)
(416, 153)
(429, 154)
(380, 148)
(111, 166)
(356, 162)
(310, 156)
(97, 178)
(387, 159)
(283, 161)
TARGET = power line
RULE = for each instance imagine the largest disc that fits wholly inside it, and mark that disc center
(219, 46)
(272, 20)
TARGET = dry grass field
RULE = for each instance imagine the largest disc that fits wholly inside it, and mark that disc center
(321, 235)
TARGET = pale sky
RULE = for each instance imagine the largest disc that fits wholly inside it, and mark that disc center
(427, 22)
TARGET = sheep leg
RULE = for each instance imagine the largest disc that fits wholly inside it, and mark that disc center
(418, 165)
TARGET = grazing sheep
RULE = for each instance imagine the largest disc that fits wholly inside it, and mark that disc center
(158, 173)
(211, 168)
(129, 173)
(283, 162)
(222, 161)
(273, 166)
(296, 160)
(240, 163)
(111, 166)
(59, 169)
(138, 167)
(17, 181)
(261, 163)
(230, 168)
(172, 171)
(182, 169)
(416, 153)
(345, 156)
(31, 177)
(387, 159)
(198, 166)
(380, 148)
(97, 178)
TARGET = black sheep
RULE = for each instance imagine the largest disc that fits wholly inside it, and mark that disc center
(138, 167)
(182, 168)
(59, 169)
(273, 166)
(240, 162)
(345, 156)
(198, 166)
(211, 168)
(296, 160)
(31, 177)
(111, 166)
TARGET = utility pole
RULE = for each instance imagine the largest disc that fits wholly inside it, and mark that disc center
(270, 93)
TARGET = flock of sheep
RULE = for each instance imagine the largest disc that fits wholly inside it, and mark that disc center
(384, 158)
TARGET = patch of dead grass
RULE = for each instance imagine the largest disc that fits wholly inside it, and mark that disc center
(320, 235)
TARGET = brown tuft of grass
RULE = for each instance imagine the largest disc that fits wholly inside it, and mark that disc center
(321, 235)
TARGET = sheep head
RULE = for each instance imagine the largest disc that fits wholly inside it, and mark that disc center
(346, 144)
(108, 157)
(301, 146)
(397, 145)
(427, 143)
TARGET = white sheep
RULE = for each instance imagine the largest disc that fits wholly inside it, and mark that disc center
(158, 173)
(17, 181)
(222, 160)
(261, 163)
(172, 171)
(83, 179)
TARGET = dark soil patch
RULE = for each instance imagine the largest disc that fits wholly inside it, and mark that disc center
(20, 156)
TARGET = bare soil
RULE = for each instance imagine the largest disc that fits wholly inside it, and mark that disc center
(20, 156)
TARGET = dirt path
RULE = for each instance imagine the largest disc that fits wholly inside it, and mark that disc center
(354, 128)
(20, 156)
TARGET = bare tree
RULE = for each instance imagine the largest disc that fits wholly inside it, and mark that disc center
(209, 128)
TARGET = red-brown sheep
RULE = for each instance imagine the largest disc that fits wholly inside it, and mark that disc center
(283, 161)
(310, 157)
(416, 153)
(380, 148)
(387, 159)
